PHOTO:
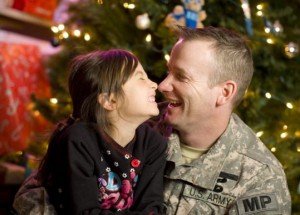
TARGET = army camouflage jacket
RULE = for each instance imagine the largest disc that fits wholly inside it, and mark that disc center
(238, 175)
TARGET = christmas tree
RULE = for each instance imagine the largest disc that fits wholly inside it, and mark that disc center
(272, 103)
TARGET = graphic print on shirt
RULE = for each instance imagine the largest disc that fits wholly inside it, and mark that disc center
(115, 192)
(117, 177)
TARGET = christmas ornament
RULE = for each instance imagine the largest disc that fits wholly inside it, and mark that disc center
(55, 42)
(194, 15)
(247, 13)
(177, 17)
(268, 23)
(142, 21)
(189, 14)
(291, 49)
(277, 27)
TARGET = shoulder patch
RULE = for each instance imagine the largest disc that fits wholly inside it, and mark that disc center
(257, 203)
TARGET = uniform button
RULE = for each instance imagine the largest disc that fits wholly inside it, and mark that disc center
(59, 190)
(61, 206)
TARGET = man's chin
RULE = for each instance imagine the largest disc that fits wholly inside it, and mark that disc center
(170, 120)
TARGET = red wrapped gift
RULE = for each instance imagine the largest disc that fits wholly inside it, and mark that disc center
(41, 8)
(21, 74)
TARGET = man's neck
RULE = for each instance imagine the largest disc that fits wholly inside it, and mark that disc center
(203, 137)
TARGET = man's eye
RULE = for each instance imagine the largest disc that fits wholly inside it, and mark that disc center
(180, 77)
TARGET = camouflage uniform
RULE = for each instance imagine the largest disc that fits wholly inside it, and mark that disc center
(238, 175)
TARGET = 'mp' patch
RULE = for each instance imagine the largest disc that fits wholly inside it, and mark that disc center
(257, 203)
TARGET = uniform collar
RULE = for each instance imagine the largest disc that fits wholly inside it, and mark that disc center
(206, 169)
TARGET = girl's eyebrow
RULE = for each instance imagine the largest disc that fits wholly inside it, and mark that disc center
(139, 73)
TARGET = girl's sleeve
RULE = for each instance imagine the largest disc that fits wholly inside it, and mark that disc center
(81, 190)
(148, 197)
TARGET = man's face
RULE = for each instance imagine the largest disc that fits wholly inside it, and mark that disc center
(192, 101)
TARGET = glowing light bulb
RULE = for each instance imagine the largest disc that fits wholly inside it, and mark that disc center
(36, 113)
(259, 7)
(270, 41)
(283, 135)
(148, 38)
(54, 100)
(54, 29)
(128, 6)
(259, 134)
(167, 57)
(61, 27)
(87, 37)
(77, 33)
(268, 95)
(291, 49)
(277, 27)
(259, 13)
(65, 35)
(289, 105)
(267, 30)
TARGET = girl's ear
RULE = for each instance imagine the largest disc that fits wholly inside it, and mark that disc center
(228, 91)
(108, 102)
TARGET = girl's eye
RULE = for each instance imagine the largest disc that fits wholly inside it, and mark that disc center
(143, 78)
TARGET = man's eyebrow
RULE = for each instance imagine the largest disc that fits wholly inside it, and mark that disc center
(177, 69)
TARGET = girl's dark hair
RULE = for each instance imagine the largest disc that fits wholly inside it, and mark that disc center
(90, 75)
(95, 73)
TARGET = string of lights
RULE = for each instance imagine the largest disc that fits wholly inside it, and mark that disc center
(271, 30)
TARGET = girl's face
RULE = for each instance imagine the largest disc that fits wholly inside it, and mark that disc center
(139, 98)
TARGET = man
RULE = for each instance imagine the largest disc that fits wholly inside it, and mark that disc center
(216, 164)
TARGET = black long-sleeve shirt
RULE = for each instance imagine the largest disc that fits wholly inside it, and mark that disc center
(74, 187)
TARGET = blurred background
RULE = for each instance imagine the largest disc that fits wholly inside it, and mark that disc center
(39, 37)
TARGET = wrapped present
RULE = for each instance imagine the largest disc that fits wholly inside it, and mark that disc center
(21, 74)
(11, 173)
(41, 8)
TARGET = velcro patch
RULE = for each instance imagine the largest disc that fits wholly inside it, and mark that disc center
(208, 196)
(257, 203)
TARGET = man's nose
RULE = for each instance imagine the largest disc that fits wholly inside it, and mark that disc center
(165, 85)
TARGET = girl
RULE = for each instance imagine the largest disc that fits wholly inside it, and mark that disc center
(103, 159)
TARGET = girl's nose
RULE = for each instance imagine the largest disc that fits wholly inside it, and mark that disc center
(154, 85)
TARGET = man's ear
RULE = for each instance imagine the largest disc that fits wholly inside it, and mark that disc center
(108, 102)
(228, 91)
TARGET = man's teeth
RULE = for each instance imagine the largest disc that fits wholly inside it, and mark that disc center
(174, 103)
